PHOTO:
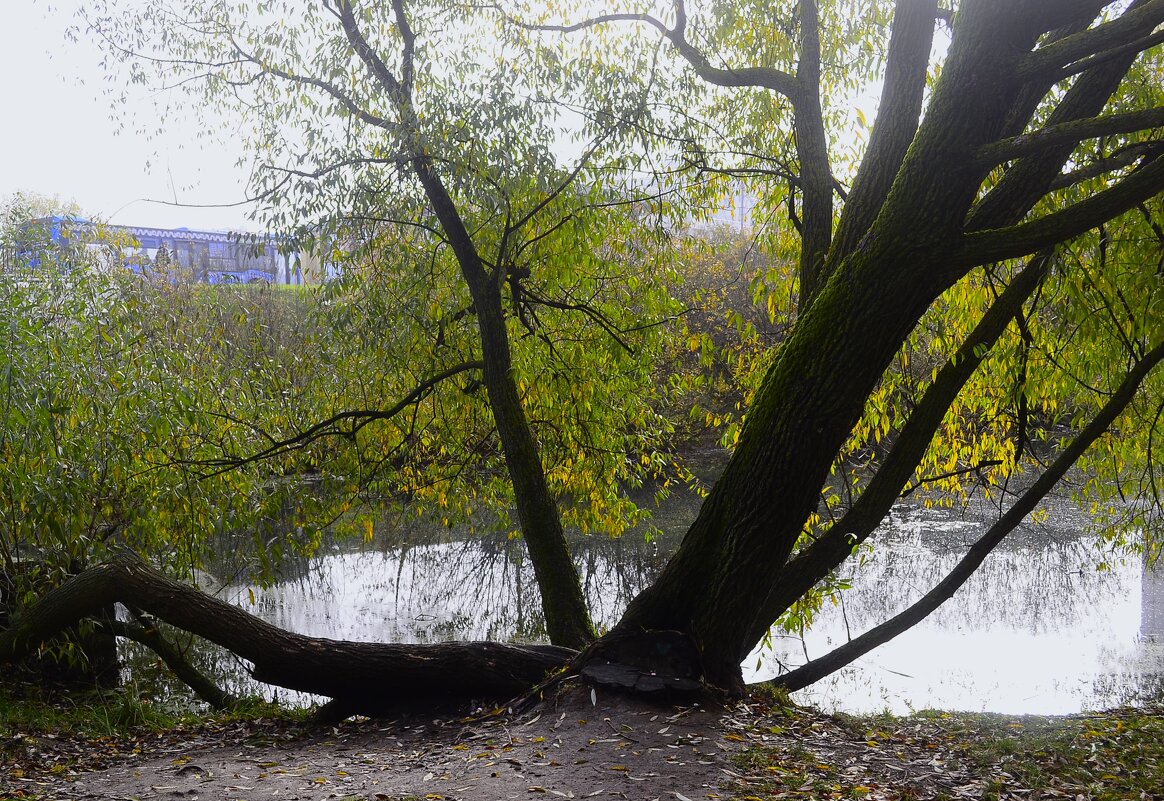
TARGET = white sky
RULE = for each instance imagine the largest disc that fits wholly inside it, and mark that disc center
(58, 135)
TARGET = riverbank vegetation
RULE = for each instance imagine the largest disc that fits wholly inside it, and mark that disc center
(1112, 755)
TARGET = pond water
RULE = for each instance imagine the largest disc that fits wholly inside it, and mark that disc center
(1037, 630)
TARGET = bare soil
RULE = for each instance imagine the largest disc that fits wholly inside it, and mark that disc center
(602, 745)
(576, 746)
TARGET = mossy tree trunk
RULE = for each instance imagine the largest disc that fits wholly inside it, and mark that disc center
(930, 222)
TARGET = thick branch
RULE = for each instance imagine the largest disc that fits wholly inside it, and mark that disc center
(1068, 133)
(1134, 48)
(818, 668)
(1000, 244)
(1136, 22)
(816, 177)
(811, 565)
(408, 59)
(380, 71)
(1025, 182)
(1033, 92)
(897, 118)
(175, 660)
(372, 676)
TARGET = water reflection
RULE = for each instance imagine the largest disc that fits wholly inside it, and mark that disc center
(474, 589)
(1038, 629)
(1152, 602)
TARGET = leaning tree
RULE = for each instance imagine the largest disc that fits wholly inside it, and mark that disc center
(979, 292)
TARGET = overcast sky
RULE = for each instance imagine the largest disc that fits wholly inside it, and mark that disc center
(59, 137)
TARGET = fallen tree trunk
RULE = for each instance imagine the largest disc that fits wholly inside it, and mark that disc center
(362, 676)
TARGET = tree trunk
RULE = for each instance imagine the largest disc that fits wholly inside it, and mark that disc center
(567, 617)
(816, 389)
(563, 604)
(365, 677)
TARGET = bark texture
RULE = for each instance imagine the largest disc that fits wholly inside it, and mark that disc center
(920, 229)
(366, 677)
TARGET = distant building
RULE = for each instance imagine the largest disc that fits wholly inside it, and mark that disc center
(214, 257)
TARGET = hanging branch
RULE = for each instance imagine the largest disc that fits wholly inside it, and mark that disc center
(839, 657)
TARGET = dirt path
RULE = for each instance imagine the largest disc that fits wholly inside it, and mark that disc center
(612, 748)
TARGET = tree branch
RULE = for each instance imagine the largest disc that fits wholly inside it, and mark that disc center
(1138, 21)
(1068, 133)
(375, 65)
(1025, 182)
(329, 88)
(897, 118)
(1000, 244)
(408, 58)
(1120, 159)
(730, 77)
(812, 671)
(148, 635)
(371, 677)
(816, 177)
(1134, 47)
(598, 317)
(357, 417)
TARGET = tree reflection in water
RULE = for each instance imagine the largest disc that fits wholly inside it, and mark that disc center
(1038, 629)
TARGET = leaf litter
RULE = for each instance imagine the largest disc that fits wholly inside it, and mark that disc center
(610, 746)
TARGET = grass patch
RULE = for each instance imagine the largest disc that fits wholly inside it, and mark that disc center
(31, 710)
(95, 712)
(1106, 756)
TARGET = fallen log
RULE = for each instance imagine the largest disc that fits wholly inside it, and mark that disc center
(364, 676)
